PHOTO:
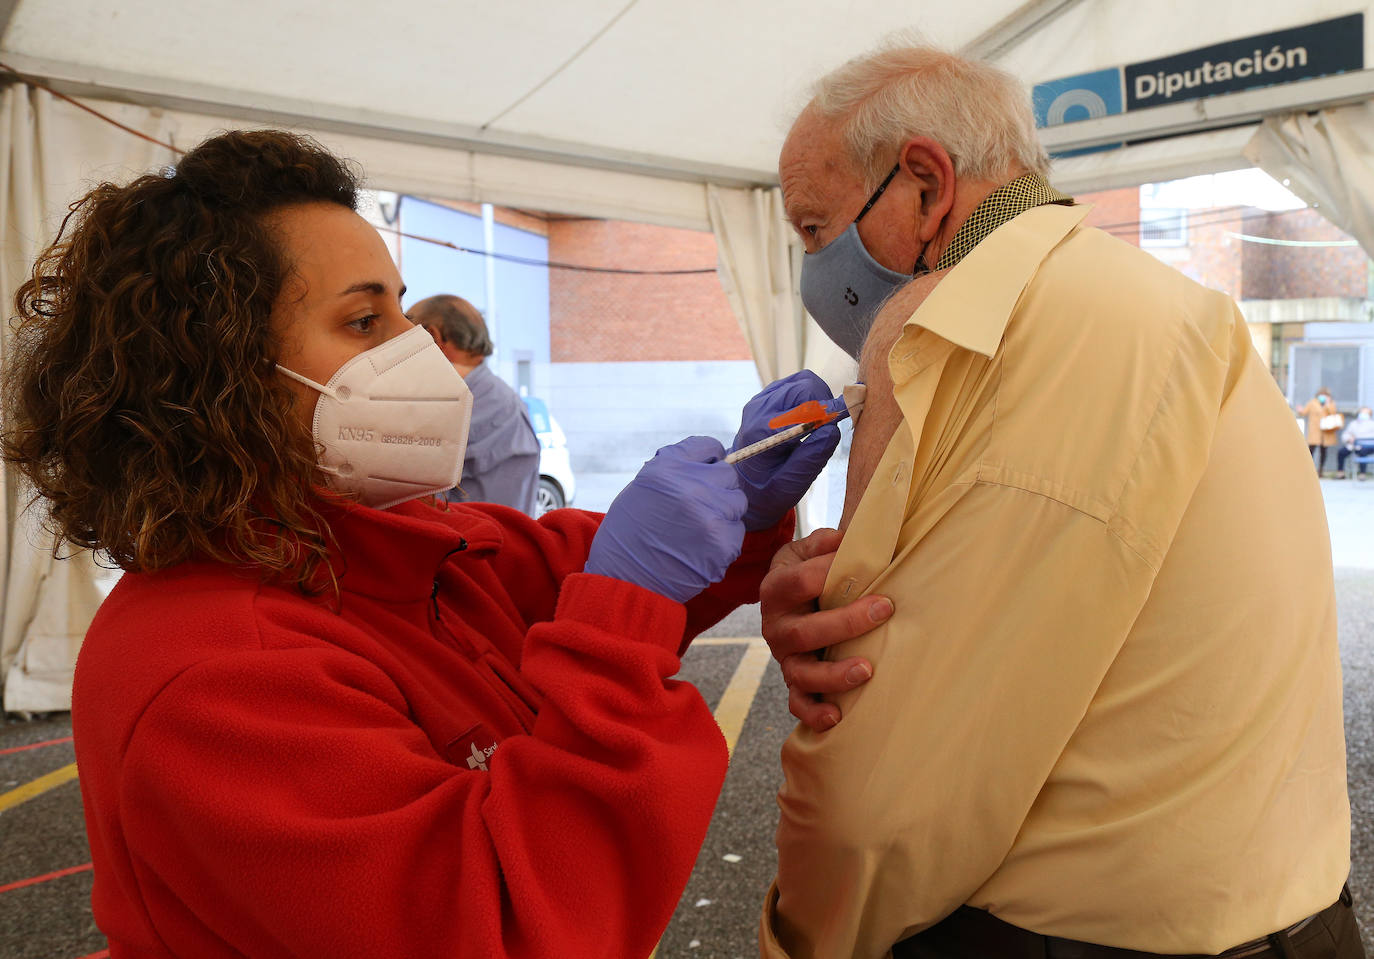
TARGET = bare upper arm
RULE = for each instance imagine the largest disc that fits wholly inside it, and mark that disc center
(881, 413)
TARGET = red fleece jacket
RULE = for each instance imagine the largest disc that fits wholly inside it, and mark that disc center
(476, 751)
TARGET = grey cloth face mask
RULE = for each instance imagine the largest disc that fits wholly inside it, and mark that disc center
(842, 286)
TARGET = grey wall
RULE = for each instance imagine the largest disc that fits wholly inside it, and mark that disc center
(617, 414)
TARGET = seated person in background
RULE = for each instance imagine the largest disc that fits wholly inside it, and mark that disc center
(501, 464)
(1361, 432)
(1101, 717)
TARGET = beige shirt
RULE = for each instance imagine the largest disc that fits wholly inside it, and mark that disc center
(1108, 706)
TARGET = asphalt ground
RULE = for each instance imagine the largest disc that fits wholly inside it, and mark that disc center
(42, 837)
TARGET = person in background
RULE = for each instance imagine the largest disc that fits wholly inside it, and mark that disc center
(322, 713)
(1320, 438)
(1360, 431)
(501, 464)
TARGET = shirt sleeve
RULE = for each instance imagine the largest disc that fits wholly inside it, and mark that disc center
(1009, 611)
(283, 801)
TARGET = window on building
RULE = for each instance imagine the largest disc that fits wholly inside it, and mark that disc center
(1163, 226)
(1335, 367)
(524, 372)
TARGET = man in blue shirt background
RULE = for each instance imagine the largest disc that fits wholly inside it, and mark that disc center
(502, 460)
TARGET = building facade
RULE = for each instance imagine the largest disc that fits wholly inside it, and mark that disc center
(629, 354)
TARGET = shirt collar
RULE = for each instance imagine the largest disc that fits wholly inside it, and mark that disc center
(971, 306)
(999, 206)
(478, 373)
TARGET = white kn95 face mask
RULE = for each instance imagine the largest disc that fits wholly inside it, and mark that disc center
(393, 421)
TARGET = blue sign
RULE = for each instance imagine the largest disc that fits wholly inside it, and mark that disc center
(1284, 56)
(1087, 96)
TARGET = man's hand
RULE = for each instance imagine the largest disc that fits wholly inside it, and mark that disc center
(796, 631)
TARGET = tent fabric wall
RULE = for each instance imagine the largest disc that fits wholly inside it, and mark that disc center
(1324, 158)
(755, 268)
(52, 153)
(759, 267)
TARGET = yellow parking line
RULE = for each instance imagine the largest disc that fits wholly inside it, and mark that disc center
(36, 788)
(734, 704)
(733, 708)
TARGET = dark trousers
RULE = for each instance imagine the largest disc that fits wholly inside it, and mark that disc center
(970, 933)
(1341, 457)
(1318, 455)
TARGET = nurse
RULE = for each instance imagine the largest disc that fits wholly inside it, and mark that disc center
(323, 714)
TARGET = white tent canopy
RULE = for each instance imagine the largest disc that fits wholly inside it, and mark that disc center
(699, 91)
(648, 110)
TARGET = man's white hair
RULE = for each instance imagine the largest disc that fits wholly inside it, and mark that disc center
(981, 115)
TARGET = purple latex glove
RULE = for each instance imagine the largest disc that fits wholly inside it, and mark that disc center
(676, 528)
(775, 480)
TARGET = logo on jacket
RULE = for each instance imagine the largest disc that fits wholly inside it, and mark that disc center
(473, 746)
(479, 757)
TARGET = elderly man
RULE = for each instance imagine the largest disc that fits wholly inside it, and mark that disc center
(501, 464)
(1105, 717)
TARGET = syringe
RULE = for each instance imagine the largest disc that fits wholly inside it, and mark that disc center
(804, 419)
(768, 442)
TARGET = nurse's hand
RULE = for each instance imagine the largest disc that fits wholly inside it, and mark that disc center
(797, 632)
(775, 480)
(678, 526)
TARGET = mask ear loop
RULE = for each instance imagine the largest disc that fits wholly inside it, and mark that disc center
(920, 269)
(306, 381)
(340, 394)
(878, 192)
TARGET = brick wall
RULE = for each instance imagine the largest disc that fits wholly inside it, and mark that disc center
(1291, 272)
(1212, 257)
(601, 317)
(1116, 211)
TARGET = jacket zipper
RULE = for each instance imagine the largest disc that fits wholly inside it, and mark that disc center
(524, 710)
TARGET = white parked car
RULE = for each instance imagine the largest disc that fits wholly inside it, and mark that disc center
(557, 487)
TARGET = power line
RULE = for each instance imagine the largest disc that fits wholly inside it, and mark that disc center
(1209, 219)
(551, 264)
(1207, 216)
(91, 110)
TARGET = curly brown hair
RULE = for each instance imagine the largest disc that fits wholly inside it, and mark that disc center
(141, 400)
